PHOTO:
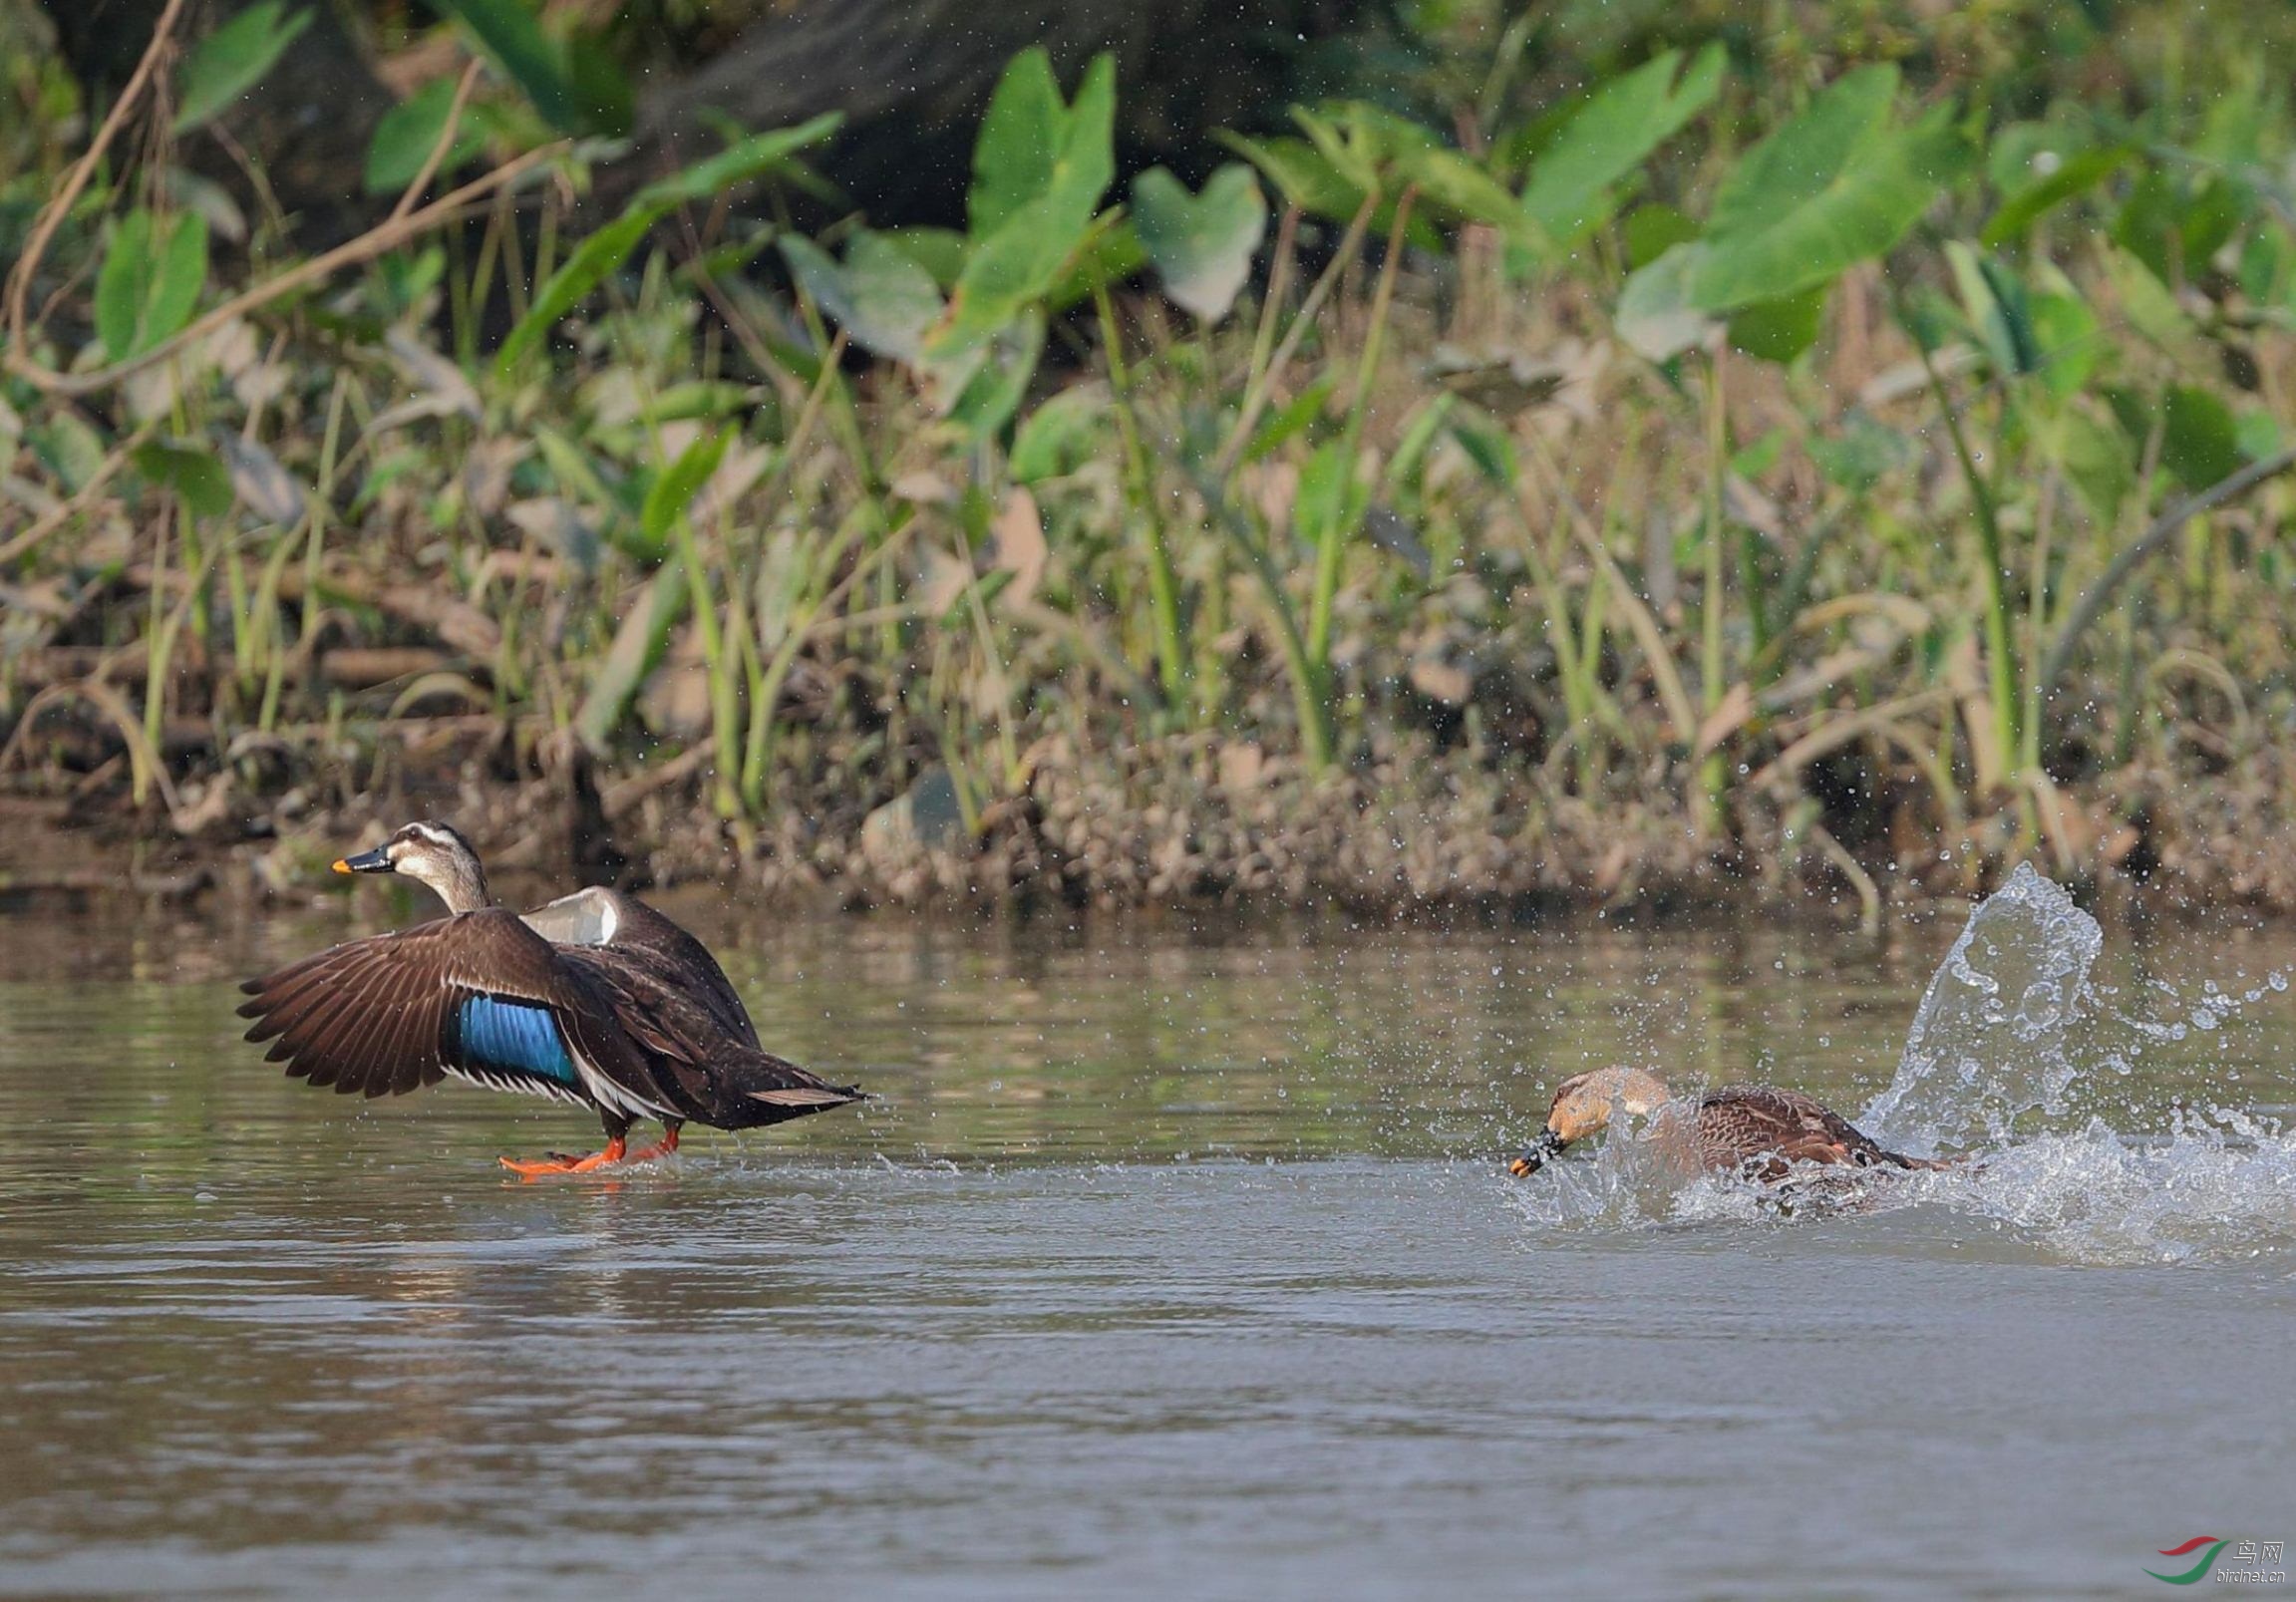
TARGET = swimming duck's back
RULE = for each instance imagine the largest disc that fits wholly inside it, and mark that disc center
(1761, 1129)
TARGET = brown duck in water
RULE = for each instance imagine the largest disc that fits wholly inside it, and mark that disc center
(595, 998)
(1755, 1131)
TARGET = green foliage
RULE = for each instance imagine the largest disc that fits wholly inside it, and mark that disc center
(674, 489)
(1837, 186)
(2199, 441)
(1202, 245)
(408, 133)
(1029, 508)
(602, 253)
(150, 280)
(512, 36)
(1060, 436)
(196, 475)
(2076, 176)
(880, 295)
(232, 60)
(1570, 190)
(1039, 171)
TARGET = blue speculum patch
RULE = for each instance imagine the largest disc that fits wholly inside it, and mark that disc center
(516, 1036)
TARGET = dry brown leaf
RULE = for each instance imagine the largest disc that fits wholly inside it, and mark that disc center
(1020, 544)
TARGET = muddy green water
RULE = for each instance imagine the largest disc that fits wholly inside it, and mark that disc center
(1169, 1263)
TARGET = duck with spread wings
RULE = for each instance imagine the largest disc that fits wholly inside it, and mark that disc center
(596, 999)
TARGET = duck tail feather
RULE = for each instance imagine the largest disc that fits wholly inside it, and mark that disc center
(760, 1088)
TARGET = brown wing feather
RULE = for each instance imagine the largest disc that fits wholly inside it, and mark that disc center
(1740, 1125)
(374, 1017)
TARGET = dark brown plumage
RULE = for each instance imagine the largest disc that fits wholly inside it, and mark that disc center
(595, 998)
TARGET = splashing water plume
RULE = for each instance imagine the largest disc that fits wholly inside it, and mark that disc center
(1992, 1038)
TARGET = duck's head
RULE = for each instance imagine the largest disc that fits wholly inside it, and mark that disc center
(1584, 1105)
(429, 854)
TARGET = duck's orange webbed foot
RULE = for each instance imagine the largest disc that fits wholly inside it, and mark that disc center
(559, 1163)
(667, 1146)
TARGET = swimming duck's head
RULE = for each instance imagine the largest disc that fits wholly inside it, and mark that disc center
(1585, 1103)
(429, 854)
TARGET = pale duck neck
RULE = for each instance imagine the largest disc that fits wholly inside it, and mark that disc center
(458, 882)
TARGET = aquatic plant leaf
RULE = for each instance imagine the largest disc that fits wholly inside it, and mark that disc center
(1453, 184)
(1202, 245)
(674, 489)
(940, 251)
(1652, 231)
(149, 281)
(1059, 436)
(191, 473)
(1656, 314)
(2149, 307)
(1356, 152)
(1997, 306)
(1778, 330)
(1301, 175)
(1608, 137)
(2014, 217)
(232, 60)
(2174, 227)
(2097, 460)
(882, 299)
(1489, 446)
(1012, 153)
(2066, 331)
(990, 397)
(408, 132)
(1111, 253)
(1833, 188)
(1039, 208)
(1012, 268)
(2199, 441)
(511, 35)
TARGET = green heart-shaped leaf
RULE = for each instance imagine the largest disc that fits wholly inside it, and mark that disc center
(1201, 244)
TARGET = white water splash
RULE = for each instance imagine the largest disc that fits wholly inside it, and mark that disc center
(2003, 1063)
(1992, 1038)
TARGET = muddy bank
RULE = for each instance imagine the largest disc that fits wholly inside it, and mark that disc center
(1195, 823)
